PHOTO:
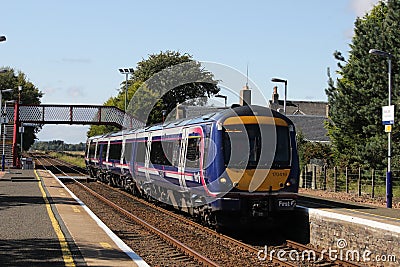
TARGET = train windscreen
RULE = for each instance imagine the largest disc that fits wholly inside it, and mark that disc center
(256, 146)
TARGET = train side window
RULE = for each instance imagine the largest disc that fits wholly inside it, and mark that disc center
(128, 152)
(92, 149)
(176, 146)
(96, 152)
(104, 151)
(115, 151)
(158, 153)
(141, 151)
(193, 153)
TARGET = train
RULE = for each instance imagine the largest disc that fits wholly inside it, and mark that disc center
(239, 163)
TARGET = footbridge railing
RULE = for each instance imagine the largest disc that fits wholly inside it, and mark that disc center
(77, 114)
(66, 114)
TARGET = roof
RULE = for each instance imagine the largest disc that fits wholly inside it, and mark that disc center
(312, 127)
(294, 107)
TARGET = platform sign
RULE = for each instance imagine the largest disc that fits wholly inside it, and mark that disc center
(388, 115)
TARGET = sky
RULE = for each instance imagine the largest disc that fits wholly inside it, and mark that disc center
(72, 50)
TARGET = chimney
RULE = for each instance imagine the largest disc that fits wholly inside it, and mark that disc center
(245, 96)
(275, 95)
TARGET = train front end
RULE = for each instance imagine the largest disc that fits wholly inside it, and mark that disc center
(258, 164)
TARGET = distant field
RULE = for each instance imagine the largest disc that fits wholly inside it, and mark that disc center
(78, 153)
(75, 158)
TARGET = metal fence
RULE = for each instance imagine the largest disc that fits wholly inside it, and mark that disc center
(357, 181)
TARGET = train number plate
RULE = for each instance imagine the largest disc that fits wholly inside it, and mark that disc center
(286, 203)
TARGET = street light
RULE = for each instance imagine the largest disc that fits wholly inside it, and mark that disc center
(277, 80)
(126, 72)
(222, 96)
(389, 188)
(2, 38)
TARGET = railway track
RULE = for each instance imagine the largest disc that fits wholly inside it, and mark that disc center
(197, 244)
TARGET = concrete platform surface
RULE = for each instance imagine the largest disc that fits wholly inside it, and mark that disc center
(357, 212)
(43, 224)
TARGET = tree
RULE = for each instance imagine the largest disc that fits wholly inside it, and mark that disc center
(312, 150)
(160, 83)
(356, 99)
(30, 94)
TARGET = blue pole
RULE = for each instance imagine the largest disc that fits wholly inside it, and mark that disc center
(3, 161)
(389, 188)
(389, 193)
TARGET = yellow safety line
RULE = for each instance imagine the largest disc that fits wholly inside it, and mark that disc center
(375, 215)
(67, 255)
(357, 211)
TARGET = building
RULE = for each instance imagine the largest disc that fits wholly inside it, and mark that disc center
(309, 117)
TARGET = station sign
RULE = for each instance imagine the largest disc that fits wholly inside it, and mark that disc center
(388, 115)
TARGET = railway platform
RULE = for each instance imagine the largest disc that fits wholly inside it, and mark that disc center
(373, 216)
(42, 224)
(362, 229)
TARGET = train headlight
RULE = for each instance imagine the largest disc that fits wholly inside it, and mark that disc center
(288, 184)
(222, 180)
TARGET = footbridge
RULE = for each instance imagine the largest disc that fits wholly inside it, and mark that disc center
(20, 115)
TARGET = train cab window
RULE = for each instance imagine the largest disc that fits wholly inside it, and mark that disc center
(256, 146)
(193, 153)
(115, 151)
(282, 153)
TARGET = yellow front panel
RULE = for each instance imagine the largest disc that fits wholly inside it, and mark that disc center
(258, 179)
(255, 120)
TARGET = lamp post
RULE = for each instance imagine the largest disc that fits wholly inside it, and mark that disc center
(224, 97)
(126, 72)
(277, 80)
(389, 188)
(2, 38)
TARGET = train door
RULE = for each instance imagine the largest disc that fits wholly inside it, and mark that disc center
(107, 160)
(182, 159)
(147, 158)
(96, 154)
(122, 158)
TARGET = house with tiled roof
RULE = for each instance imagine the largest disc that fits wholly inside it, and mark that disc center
(309, 117)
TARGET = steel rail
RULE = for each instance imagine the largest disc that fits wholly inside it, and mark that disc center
(201, 227)
(275, 260)
(182, 247)
(187, 250)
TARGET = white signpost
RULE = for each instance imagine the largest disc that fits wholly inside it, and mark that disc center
(388, 115)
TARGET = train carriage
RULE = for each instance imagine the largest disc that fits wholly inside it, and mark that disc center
(239, 162)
